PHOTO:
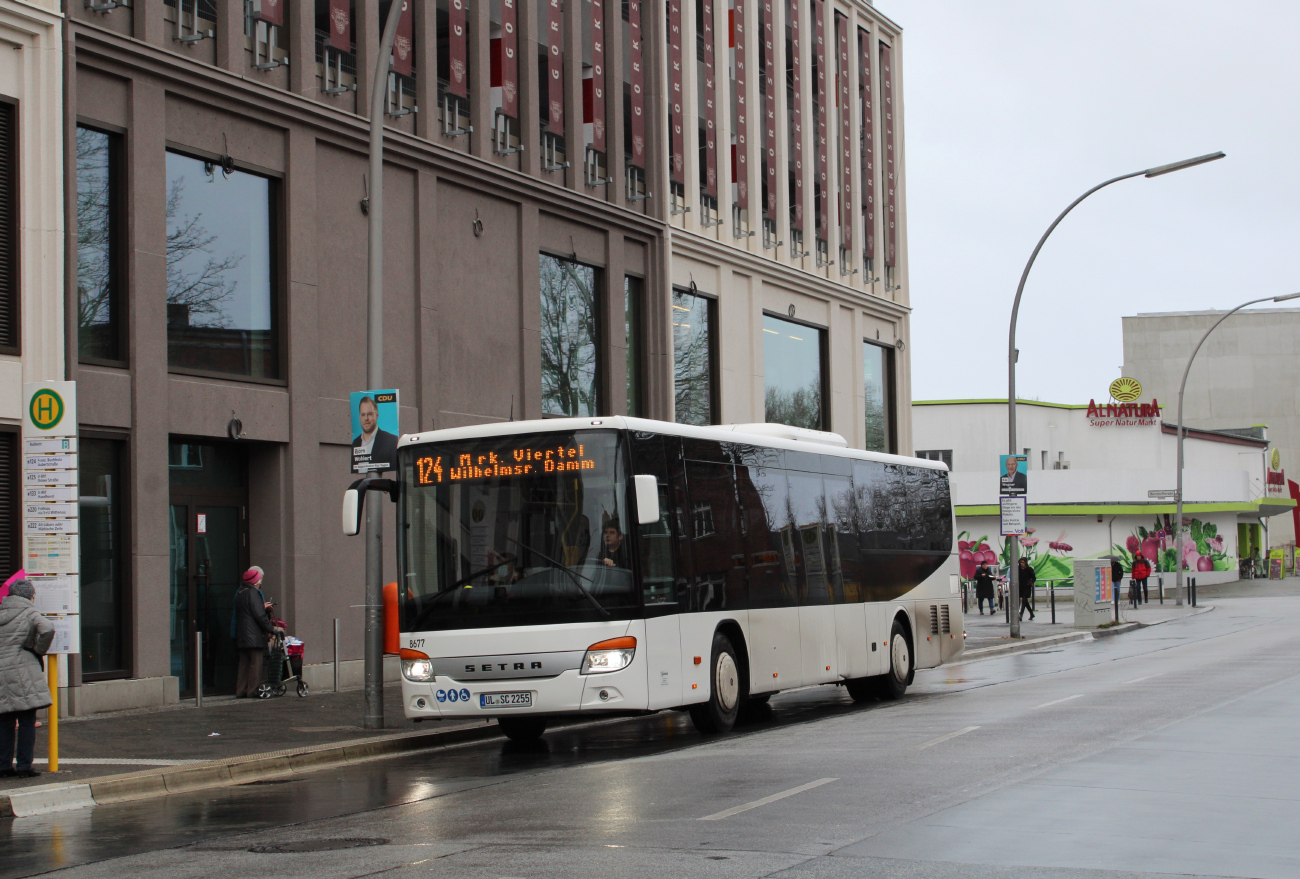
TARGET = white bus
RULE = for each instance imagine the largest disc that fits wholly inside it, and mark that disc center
(621, 565)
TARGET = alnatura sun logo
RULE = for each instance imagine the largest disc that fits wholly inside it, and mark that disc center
(1125, 390)
(46, 409)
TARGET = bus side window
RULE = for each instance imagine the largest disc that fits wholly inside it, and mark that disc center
(655, 541)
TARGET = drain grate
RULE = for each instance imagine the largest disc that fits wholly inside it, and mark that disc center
(317, 845)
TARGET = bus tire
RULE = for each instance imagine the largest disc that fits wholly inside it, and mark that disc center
(861, 689)
(893, 684)
(718, 714)
(523, 729)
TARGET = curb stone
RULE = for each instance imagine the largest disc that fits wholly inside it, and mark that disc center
(1069, 637)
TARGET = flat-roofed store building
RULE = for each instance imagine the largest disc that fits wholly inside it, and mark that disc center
(681, 209)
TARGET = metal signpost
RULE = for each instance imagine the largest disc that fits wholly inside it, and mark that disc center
(51, 519)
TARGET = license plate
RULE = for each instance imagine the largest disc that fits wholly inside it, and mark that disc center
(505, 700)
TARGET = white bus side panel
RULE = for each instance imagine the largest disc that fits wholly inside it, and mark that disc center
(852, 651)
(817, 638)
(776, 660)
(663, 662)
(697, 640)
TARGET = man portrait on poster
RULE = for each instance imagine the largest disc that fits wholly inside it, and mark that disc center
(374, 422)
(1014, 480)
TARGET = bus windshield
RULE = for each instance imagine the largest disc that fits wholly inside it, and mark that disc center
(516, 530)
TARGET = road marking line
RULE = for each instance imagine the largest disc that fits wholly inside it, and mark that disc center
(1057, 702)
(1147, 678)
(736, 810)
(951, 735)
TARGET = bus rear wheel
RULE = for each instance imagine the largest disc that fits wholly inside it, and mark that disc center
(522, 729)
(893, 684)
(718, 714)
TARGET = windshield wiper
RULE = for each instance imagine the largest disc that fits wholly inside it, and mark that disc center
(563, 567)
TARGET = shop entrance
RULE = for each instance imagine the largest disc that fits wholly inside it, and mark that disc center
(208, 524)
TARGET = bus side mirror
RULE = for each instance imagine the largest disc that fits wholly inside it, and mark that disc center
(351, 512)
(647, 499)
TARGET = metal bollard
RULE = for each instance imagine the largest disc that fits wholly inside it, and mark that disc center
(1051, 590)
(336, 655)
(1114, 594)
(1192, 587)
(1160, 582)
(198, 669)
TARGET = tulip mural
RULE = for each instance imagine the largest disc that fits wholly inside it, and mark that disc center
(1051, 564)
(1202, 547)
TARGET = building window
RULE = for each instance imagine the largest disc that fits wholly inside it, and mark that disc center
(944, 455)
(795, 388)
(99, 246)
(694, 390)
(10, 520)
(570, 374)
(103, 604)
(632, 296)
(10, 337)
(222, 308)
(878, 396)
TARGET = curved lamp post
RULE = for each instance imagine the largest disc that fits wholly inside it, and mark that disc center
(1178, 522)
(1013, 576)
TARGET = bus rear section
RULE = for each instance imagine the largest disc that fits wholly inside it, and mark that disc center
(536, 585)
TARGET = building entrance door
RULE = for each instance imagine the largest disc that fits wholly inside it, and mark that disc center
(209, 553)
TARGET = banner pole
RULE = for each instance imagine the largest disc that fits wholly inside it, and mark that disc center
(52, 666)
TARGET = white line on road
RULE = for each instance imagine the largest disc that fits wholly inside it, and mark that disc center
(1057, 702)
(736, 810)
(1147, 678)
(951, 735)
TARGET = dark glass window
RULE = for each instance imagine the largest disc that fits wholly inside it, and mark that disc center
(10, 518)
(658, 572)
(878, 396)
(769, 533)
(842, 538)
(99, 254)
(103, 604)
(693, 353)
(716, 537)
(570, 375)
(221, 289)
(808, 516)
(10, 336)
(632, 295)
(794, 393)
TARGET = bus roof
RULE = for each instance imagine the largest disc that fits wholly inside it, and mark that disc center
(746, 433)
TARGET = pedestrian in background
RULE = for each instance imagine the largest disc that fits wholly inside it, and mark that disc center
(252, 629)
(1027, 577)
(984, 587)
(1140, 572)
(25, 635)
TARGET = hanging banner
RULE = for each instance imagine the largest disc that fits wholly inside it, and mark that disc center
(554, 68)
(598, 75)
(340, 25)
(710, 107)
(887, 110)
(677, 161)
(458, 85)
(769, 110)
(823, 180)
(404, 42)
(269, 11)
(846, 133)
(638, 83)
(741, 167)
(867, 107)
(796, 113)
(509, 59)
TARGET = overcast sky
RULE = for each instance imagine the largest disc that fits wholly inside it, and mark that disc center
(1013, 109)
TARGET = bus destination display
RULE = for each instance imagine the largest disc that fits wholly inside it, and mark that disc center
(525, 461)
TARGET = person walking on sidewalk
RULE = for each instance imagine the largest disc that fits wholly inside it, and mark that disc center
(1141, 571)
(25, 635)
(1027, 578)
(252, 629)
(984, 587)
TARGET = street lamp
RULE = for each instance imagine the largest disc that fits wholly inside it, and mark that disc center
(1013, 575)
(1178, 525)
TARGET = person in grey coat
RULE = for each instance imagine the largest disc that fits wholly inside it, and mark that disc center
(25, 635)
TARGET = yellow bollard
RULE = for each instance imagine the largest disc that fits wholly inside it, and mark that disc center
(52, 667)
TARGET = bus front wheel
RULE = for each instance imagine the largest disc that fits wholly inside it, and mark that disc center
(893, 684)
(522, 729)
(718, 715)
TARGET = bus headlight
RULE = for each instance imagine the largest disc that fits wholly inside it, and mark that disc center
(606, 656)
(416, 666)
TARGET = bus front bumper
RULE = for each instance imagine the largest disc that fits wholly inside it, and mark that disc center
(566, 693)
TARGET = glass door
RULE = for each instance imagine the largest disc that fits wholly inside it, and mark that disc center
(216, 575)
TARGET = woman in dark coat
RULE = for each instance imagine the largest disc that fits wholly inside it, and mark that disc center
(984, 587)
(253, 627)
(1027, 578)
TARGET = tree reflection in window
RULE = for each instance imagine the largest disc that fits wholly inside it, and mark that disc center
(220, 271)
(569, 351)
(792, 369)
(692, 358)
(97, 269)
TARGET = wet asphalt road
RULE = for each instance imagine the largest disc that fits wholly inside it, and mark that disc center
(1171, 750)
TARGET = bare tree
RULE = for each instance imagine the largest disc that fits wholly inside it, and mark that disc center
(568, 334)
(692, 360)
(94, 238)
(196, 283)
(798, 408)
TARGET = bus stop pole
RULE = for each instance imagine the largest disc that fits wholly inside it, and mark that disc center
(374, 649)
(52, 664)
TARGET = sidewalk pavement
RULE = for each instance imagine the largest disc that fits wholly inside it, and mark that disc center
(985, 631)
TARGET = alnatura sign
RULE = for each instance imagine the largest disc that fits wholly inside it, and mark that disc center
(1124, 411)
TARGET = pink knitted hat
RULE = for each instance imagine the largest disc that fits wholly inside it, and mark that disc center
(21, 574)
(253, 576)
